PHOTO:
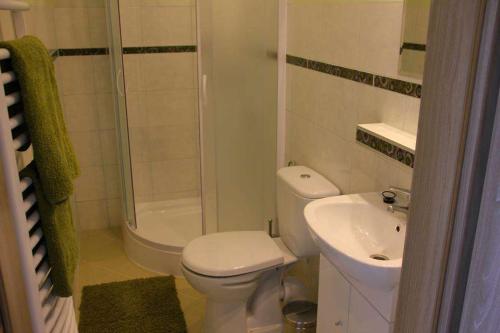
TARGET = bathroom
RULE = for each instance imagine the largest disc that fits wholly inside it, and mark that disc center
(202, 127)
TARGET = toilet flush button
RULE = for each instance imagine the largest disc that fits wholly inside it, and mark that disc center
(305, 175)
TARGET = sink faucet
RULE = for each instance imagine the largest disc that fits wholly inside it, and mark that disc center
(398, 208)
(400, 192)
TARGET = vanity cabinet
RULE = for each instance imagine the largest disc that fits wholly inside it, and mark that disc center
(341, 308)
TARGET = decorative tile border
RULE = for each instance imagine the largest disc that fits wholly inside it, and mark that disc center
(82, 52)
(395, 85)
(343, 72)
(412, 46)
(159, 49)
(399, 86)
(126, 50)
(386, 148)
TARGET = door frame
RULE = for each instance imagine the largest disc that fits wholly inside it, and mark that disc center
(459, 102)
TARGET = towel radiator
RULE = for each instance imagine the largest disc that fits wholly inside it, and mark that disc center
(48, 313)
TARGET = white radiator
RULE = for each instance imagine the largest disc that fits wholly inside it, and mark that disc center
(48, 313)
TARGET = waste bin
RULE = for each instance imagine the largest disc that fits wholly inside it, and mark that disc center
(300, 316)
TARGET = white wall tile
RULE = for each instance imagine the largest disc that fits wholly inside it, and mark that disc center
(80, 112)
(165, 71)
(112, 179)
(109, 147)
(173, 142)
(137, 115)
(76, 75)
(143, 181)
(380, 35)
(175, 176)
(115, 212)
(130, 24)
(323, 110)
(102, 73)
(72, 27)
(166, 26)
(171, 107)
(40, 22)
(92, 214)
(131, 70)
(105, 110)
(87, 147)
(90, 185)
(98, 27)
(139, 147)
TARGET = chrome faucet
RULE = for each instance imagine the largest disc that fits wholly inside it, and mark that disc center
(400, 192)
(398, 208)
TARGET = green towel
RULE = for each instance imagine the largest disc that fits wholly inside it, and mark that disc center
(52, 150)
(59, 234)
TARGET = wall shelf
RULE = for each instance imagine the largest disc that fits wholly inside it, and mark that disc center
(388, 140)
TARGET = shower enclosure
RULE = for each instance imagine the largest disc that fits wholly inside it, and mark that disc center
(196, 111)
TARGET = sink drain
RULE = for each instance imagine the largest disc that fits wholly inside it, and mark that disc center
(379, 257)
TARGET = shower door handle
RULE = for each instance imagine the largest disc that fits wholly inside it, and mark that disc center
(204, 79)
(119, 82)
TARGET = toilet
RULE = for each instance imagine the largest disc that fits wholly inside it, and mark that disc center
(241, 272)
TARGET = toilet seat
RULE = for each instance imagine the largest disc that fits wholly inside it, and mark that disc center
(228, 254)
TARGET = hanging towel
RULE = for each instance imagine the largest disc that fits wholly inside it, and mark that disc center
(59, 235)
(52, 150)
(54, 167)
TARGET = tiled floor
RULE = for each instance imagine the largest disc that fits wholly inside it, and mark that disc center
(102, 260)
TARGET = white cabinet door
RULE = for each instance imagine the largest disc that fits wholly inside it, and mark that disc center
(333, 299)
(363, 318)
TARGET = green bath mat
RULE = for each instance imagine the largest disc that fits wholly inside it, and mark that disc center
(136, 306)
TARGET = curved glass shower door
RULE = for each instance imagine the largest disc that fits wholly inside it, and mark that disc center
(239, 89)
(166, 53)
(120, 107)
(154, 48)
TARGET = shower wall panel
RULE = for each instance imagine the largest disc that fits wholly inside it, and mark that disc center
(159, 39)
(79, 29)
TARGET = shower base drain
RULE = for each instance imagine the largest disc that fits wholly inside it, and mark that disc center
(379, 257)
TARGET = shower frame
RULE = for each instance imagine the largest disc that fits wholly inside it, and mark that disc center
(151, 255)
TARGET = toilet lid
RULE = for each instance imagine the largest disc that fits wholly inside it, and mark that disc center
(231, 253)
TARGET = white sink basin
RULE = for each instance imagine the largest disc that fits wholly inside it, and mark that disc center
(351, 230)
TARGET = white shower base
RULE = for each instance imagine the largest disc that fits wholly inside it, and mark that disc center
(163, 229)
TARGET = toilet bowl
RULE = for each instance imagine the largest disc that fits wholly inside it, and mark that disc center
(241, 273)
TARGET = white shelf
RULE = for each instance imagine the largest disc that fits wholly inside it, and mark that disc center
(395, 136)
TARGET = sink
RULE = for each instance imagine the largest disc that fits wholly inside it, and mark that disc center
(360, 237)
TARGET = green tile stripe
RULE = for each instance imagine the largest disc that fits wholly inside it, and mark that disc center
(378, 81)
(65, 52)
(159, 49)
(413, 47)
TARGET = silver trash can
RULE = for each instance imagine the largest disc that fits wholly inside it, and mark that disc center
(300, 316)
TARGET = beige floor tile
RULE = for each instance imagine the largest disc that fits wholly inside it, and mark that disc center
(103, 260)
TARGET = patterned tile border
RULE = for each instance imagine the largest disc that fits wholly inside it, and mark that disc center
(159, 49)
(126, 50)
(82, 52)
(395, 85)
(399, 86)
(412, 46)
(346, 73)
(386, 148)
